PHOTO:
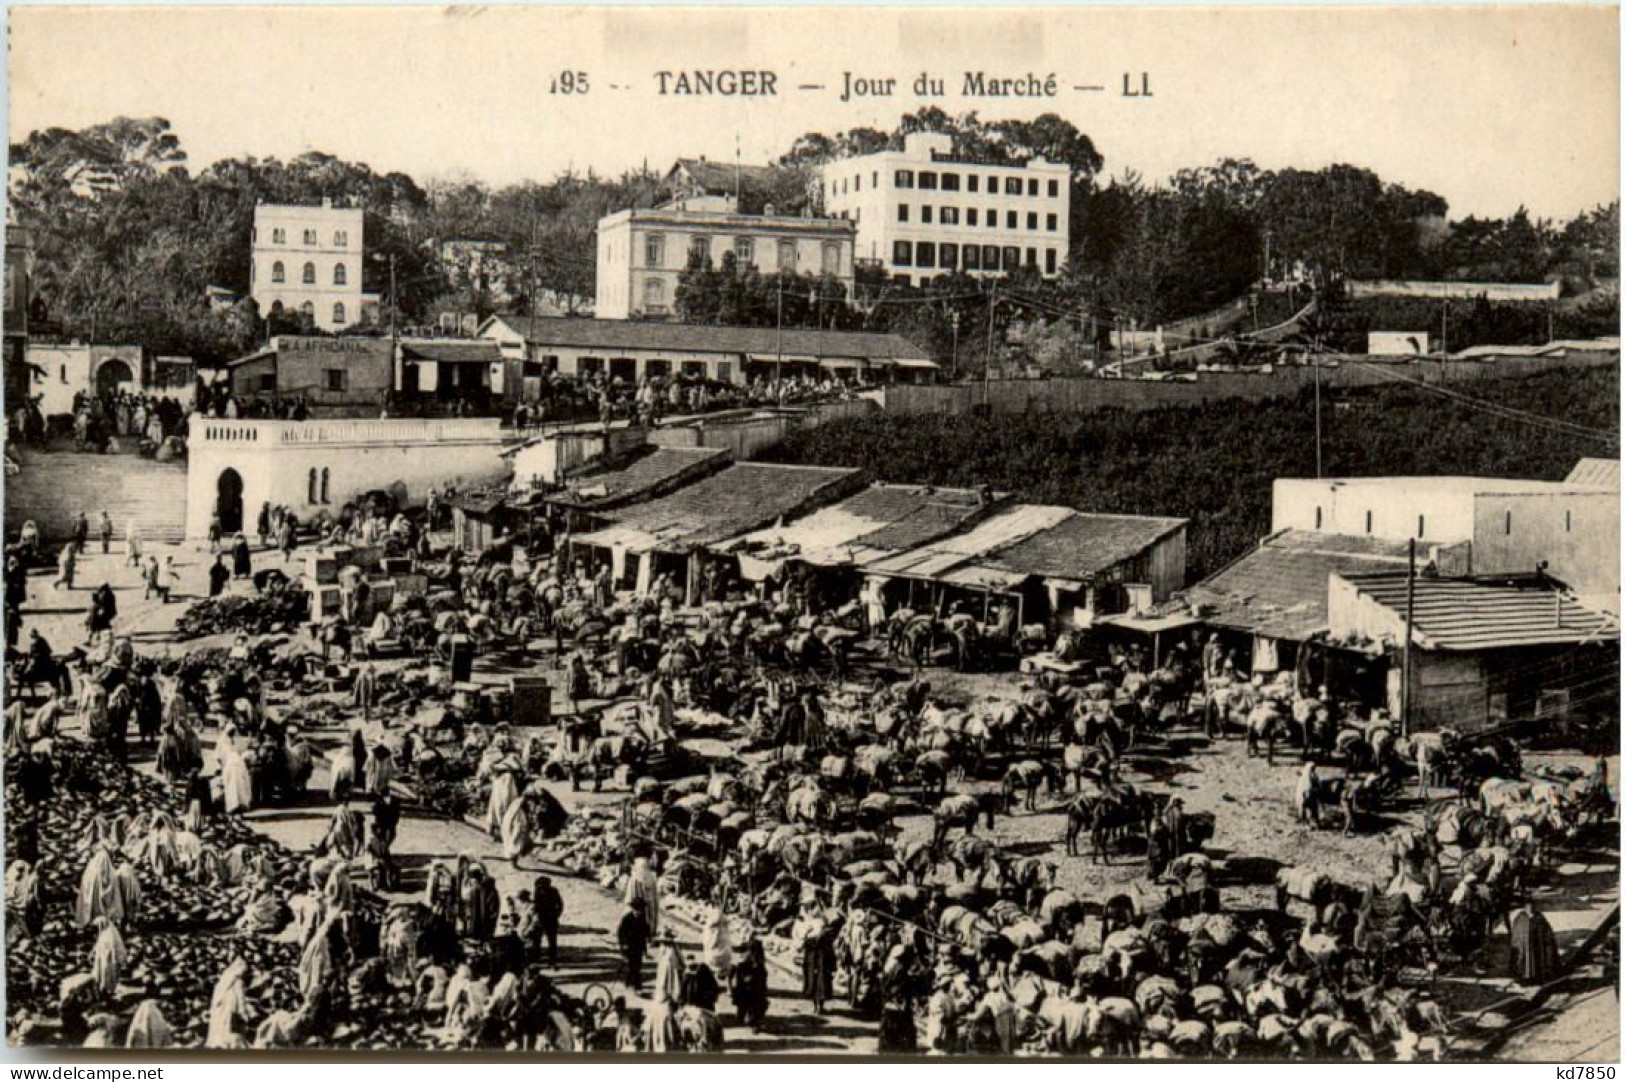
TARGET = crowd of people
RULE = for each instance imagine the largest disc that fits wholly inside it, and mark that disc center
(99, 419)
(790, 842)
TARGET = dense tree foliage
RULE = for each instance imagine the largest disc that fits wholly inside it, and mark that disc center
(128, 240)
(1214, 463)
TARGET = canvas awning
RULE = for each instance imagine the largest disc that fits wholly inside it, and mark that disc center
(1149, 625)
(612, 537)
(978, 577)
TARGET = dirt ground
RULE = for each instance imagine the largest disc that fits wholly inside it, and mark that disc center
(1252, 802)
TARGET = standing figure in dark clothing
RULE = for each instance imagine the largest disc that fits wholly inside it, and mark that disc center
(549, 905)
(633, 937)
(507, 949)
(1534, 947)
(219, 575)
(386, 817)
(241, 566)
(747, 985)
(103, 610)
(700, 988)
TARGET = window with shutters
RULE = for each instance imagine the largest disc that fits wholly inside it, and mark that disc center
(832, 259)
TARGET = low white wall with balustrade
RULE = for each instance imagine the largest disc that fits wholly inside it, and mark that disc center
(275, 460)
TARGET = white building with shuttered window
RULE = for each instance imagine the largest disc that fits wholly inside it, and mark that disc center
(643, 253)
(920, 213)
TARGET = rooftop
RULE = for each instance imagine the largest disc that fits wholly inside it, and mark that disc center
(612, 334)
(721, 178)
(1279, 589)
(1444, 485)
(1595, 473)
(873, 524)
(1030, 540)
(744, 497)
(730, 220)
(603, 488)
(1084, 545)
(1461, 614)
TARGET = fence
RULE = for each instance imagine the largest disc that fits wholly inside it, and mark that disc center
(1085, 394)
(404, 431)
(747, 435)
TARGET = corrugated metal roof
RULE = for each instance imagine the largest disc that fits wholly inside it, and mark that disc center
(880, 520)
(1595, 473)
(1279, 589)
(1002, 528)
(744, 497)
(1085, 545)
(661, 466)
(1460, 614)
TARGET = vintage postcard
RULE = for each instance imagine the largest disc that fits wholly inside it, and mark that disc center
(813, 532)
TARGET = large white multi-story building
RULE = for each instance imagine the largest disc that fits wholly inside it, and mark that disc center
(310, 260)
(643, 253)
(920, 213)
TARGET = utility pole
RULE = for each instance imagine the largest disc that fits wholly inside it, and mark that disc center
(394, 304)
(987, 369)
(1405, 649)
(953, 364)
(1444, 332)
(1316, 359)
(778, 362)
(1549, 323)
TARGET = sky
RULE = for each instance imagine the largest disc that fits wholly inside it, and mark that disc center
(1492, 108)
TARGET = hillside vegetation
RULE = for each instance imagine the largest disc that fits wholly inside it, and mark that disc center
(1213, 464)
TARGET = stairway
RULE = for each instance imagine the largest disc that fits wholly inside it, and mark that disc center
(53, 487)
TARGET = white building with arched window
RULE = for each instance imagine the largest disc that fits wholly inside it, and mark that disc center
(310, 259)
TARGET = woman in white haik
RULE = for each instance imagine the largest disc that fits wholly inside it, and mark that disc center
(237, 782)
(716, 946)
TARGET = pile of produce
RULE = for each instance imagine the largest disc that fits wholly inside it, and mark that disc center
(271, 613)
(590, 844)
(182, 935)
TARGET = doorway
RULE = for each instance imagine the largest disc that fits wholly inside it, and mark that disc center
(228, 501)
